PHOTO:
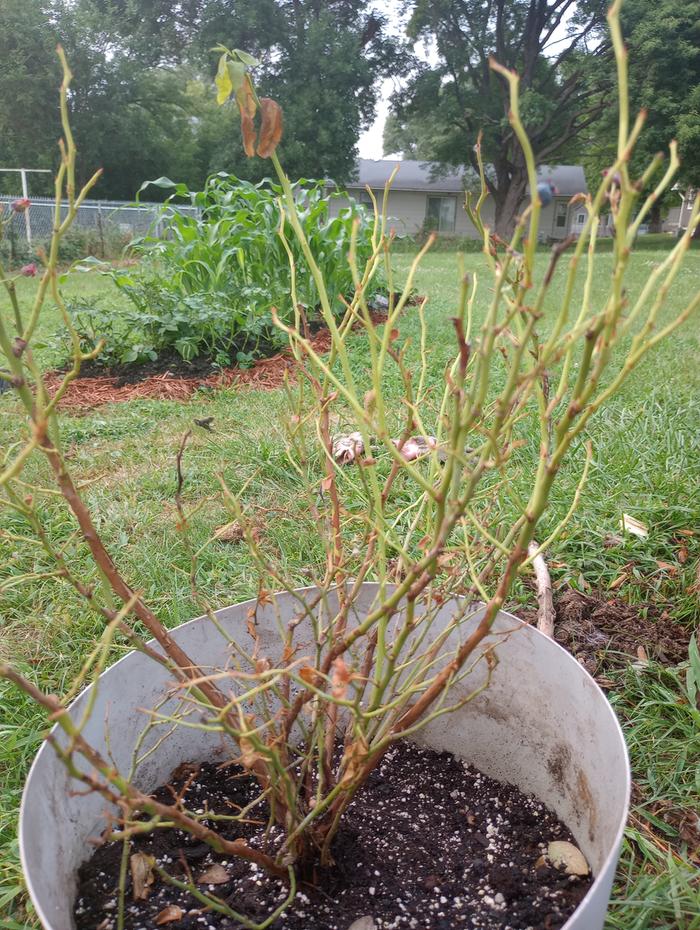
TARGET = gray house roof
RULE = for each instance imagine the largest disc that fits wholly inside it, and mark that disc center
(418, 176)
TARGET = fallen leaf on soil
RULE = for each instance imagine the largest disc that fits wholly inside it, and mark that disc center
(169, 914)
(642, 654)
(636, 527)
(215, 875)
(560, 853)
(683, 555)
(229, 533)
(616, 582)
(667, 567)
(142, 875)
(610, 540)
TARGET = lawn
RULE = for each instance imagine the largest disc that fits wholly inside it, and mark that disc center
(646, 464)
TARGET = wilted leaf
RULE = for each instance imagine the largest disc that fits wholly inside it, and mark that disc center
(636, 527)
(247, 131)
(309, 675)
(142, 874)
(169, 914)
(327, 483)
(340, 678)
(567, 856)
(224, 85)
(215, 875)
(236, 72)
(270, 126)
(353, 760)
(642, 654)
(683, 555)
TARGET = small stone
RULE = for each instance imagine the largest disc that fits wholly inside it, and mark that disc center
(567, 856)
(363, 923)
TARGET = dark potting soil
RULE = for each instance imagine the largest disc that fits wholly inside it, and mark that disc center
(429, 844)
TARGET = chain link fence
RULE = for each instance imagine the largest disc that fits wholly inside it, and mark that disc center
(100, 226)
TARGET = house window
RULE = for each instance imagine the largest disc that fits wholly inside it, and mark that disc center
(581, 219)
(366, 200)
(440, 215)
(560, 215)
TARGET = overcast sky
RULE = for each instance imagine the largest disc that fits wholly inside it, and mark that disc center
(371, 141)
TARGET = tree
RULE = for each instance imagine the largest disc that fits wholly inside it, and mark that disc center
(554, 45)
(322, 61)
(142, 69)
(663, 40)
(27, 40)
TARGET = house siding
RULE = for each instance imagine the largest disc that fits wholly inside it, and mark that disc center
(407, 211)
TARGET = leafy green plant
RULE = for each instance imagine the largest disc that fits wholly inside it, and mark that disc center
(207, 281)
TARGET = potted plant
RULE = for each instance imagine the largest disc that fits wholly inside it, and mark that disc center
(241, 768)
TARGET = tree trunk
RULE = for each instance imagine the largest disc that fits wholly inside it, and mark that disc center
(508, 198)
(655, 221)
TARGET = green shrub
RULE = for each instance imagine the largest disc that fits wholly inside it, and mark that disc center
(206, 283)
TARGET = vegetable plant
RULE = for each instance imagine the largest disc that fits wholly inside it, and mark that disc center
(207, 282)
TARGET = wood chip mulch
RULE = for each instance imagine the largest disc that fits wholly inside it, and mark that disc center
(265, 375)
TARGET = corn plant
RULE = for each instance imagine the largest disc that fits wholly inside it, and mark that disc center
(409, 499)
(207, 280)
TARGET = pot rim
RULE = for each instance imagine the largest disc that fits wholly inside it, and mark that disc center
(564, 654)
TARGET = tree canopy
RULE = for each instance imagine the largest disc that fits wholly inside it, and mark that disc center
(142, 100)
(663, 38)
(555, 46)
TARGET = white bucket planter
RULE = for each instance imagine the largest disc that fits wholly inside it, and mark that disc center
(543, 725)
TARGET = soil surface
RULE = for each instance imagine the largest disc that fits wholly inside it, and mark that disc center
(429, 844)
(604, 635)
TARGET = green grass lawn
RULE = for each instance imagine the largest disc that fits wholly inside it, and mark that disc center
(646, 464)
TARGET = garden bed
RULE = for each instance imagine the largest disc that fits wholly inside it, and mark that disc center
(173, 379)
(170, 377)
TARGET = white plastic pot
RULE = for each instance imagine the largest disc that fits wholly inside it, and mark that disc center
(543, 724)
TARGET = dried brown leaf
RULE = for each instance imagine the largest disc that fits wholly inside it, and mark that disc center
(270, 127)
(169, 914)
(230, 533)
(248, 133)
(340, 678)
(142, 875)
(309, 675)
(215, 875)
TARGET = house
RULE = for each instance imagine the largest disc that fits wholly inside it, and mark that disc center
(418, 200)
(679, 214)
